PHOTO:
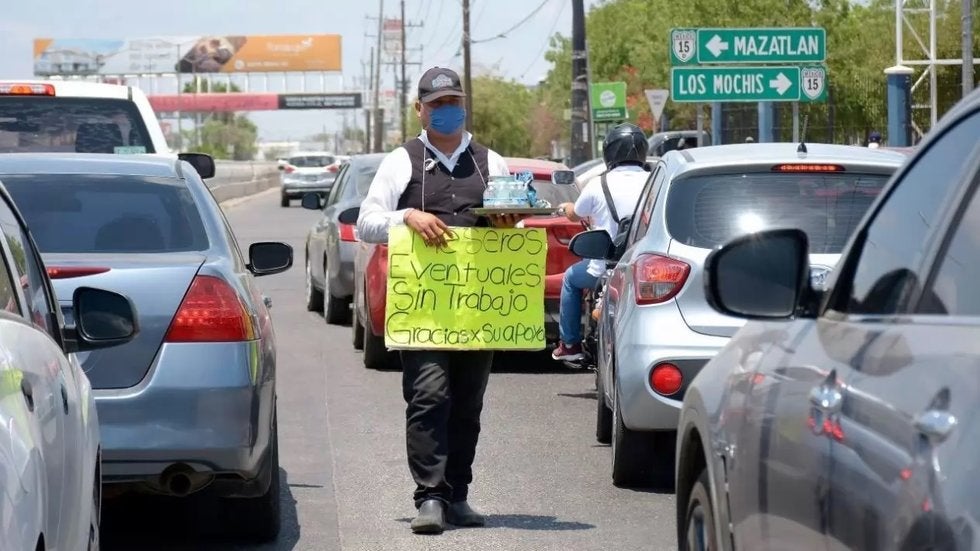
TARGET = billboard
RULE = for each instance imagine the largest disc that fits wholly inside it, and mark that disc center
(188, 54)
(224, 103)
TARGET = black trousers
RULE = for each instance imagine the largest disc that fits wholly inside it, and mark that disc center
(444, 392)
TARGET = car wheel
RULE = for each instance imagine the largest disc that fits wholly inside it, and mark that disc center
(357, 330)
(699, 519)
(637, 460)
(95, 522)
(336, 311)
(259, 518)
(376, 356)
(284, 201)
(603, 416)
(314, 297)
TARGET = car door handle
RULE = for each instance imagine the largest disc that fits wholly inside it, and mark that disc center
(28, 391)
(936, 423)
(64, 399)
(827, 396)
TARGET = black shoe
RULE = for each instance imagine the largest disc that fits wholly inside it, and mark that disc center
(431, 518)
(461, 514)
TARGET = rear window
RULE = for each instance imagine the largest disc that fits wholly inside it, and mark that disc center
(72, 213)
(311, 161)
(81, 125)
(556, 194)
(708, 211)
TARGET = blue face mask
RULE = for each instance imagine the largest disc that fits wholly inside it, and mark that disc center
(447, 119)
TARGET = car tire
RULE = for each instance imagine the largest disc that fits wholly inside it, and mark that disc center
(357, 330)
(376, 356)
(259, 518)
(336, 311)
(95, 520)
(284, 201)
(604, 415)
(314, 297)
(699, 517)
(637, 459)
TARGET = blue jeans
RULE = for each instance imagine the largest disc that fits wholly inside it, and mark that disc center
(577, 279)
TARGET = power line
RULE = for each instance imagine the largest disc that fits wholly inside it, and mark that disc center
(547, 41)
(518, 24)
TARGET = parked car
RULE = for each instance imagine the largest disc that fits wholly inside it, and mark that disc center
(371, 266)
(840, 419)
(656, 330)
(190, 403)
(76, 116)
(50, 475)
(331, 245)
(662, 142)
(307, 172)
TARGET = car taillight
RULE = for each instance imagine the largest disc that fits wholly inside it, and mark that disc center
(348, 232)
(26, 90)
(68, 272)
(289, 169)
(666, 379)
(211, 312)
(332, 168)
(658, 278)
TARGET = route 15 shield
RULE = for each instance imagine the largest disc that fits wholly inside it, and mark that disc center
(814, 81)
(684, 44)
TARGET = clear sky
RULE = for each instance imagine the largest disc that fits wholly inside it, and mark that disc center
(519, 55)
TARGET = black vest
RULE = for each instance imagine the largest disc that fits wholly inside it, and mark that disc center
(448, 195)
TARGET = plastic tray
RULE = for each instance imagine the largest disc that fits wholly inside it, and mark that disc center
(514, 210)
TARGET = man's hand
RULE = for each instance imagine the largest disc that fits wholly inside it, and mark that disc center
(568, 211)
(433, 230)
(506, 220)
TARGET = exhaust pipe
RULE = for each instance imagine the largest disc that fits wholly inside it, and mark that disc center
(181, 480)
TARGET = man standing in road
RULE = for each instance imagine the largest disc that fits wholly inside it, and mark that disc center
(429, 184)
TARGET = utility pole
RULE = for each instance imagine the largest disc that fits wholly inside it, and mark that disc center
(967, 47)
(403, 89)
(378, 117)
(467, 81)
(581, 149)
(367, 112)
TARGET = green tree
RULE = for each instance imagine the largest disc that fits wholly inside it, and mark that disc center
(223, 135)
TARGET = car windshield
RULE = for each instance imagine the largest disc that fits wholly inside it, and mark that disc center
(708, 211)
(83, 213)
(311, 161)
(556, 194)
(31, 124)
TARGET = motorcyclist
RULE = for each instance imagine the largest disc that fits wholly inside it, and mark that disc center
(606, 200)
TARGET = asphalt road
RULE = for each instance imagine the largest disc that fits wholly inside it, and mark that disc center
(540, 477)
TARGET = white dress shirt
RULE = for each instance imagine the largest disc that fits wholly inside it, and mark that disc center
(378, 210)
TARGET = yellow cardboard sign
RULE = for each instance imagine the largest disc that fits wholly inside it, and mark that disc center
(484, 291)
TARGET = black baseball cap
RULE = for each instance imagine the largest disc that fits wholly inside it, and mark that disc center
(439, 82)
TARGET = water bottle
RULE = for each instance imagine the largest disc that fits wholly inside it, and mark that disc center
(490, 195)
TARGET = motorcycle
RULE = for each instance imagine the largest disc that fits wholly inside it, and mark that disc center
(592, 306)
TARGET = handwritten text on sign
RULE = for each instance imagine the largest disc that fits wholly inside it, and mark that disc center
(485, 290)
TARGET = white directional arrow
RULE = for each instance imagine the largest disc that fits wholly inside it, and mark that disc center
(716, 45)
(781, 83)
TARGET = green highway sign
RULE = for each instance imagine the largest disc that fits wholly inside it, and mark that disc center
(748, 45)
(751, 84)
(608, 101)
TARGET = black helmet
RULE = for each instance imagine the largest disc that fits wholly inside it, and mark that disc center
(624, 144)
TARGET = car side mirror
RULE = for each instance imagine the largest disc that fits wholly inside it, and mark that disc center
(311, 201)
(269, 257)
(349, 216)
(202, 163)
(760, 275)
(102, 319)
(593, 244)
(563, 177)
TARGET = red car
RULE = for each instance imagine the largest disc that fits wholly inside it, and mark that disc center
(371, 267)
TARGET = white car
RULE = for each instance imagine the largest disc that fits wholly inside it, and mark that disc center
(50, 473)
(77, 116)
(307, 172)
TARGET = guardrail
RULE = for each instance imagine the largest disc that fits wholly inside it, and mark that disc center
(233, 179)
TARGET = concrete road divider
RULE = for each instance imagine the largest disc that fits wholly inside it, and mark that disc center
(235, 179)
